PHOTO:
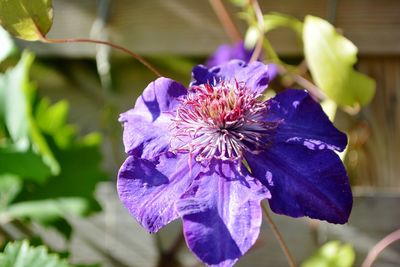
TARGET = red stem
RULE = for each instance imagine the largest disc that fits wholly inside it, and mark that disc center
(379, 247)
(87, 40)
(226, 20)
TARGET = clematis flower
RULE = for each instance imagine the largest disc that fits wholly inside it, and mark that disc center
(225, 53)
(208, 154)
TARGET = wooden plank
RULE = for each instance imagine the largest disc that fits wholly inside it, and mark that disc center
(115, 232)
(374, 155)
(189, 27)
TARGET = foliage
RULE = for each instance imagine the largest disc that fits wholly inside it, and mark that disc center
(21, 254)
(7, 45)
(332, 254)
(35, 134)
(331, 57)
(27, 19)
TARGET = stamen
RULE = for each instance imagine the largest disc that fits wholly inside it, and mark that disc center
(221, 122)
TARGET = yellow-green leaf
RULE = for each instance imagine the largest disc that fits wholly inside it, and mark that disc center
(275, 20)
(251, 37)
(332, 254)
(331, 57)
(21, 254)
(7, 44)
(29, 20)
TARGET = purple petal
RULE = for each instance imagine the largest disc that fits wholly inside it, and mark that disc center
(159, 96)
(149, 189)
(146, 139)
(224, 53)
(304, 182)
(221, 214)
(255, 75)
(303, 122)
(146, 132)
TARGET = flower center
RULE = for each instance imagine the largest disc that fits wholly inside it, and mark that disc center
(220, 122)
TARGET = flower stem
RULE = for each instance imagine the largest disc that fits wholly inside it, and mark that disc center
(179, 241)
(379, 247)
(121, 48)
(226, 20)
(260, 21)
(309, 86)
(271, 52)
(278, 236)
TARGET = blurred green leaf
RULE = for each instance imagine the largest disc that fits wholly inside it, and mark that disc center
(17, 96)
(27, 165)
(10, 186)
(275, 20)
(80, 172)
(251, 37)
(21, 254)
(14, 87)
(76, 183)
(332, 254)
(240, 3)
(30, 20)
(7, 45)
(47, 211)
(331, 57)
(52, 120)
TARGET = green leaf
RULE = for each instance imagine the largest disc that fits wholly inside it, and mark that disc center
(29, 20)
(331, 57)
(332, 254)
(251, 37)
(80, 172)
(10, 186)
(14, 86)
(7, 45)
(76, 183)
(52, 121)
(17, 94)
(47, 211)
(240, 3)
(275, 20)
(27, 165)
(21, 254)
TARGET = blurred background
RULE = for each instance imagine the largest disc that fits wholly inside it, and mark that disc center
(95, 84)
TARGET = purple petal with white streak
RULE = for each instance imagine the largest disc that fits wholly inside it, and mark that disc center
(304, 182)
(302, 121)
(146, 132)
(149, 189)
(222, 214)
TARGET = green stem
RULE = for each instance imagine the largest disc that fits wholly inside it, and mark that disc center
(278, 236)
(270, 52)
(260, 23)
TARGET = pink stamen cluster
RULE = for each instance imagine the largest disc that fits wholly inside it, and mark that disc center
(220, 122)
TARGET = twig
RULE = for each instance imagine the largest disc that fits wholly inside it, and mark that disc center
(159, 245)
(309, 86)
(260, 21)
(226, 20)
(176, 245)
(379, 247)
(87, 40)
(278, 236)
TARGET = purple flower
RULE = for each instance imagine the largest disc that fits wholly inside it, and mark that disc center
(188, 149)
(225, 53)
